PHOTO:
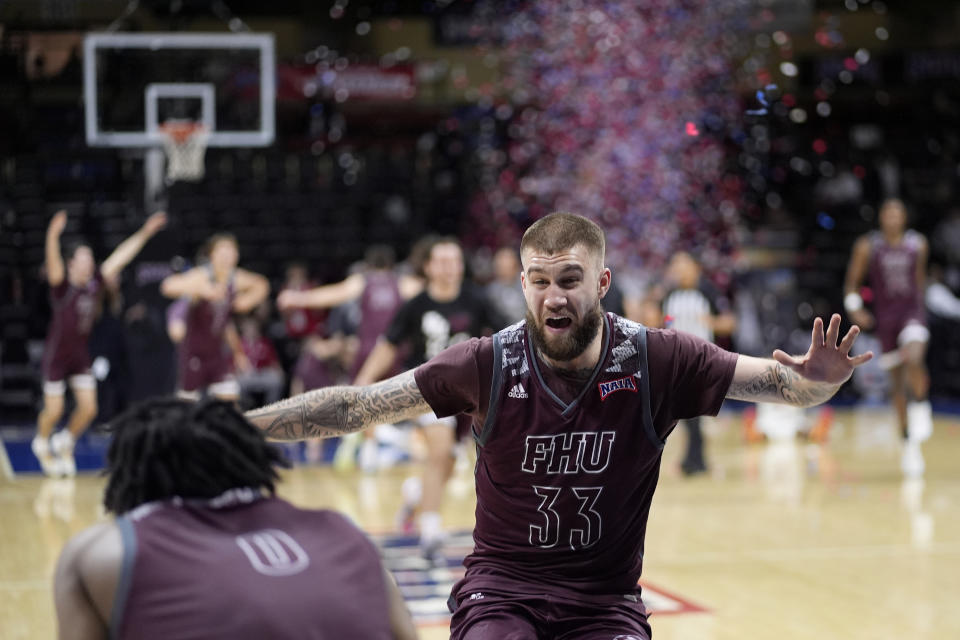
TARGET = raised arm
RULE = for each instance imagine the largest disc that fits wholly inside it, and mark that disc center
(194, 283)
(335, 411)
(410, 286)
(52, 257)
(252, 289)
(129, 248)
(802, 381)
(325, 297)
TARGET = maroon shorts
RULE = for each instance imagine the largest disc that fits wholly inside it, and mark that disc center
(58, 366)
(890, 325)
(481, 614)
(197, 372)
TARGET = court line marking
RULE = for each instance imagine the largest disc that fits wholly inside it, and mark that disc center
(5, 462)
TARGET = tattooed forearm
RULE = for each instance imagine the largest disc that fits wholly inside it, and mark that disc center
(316, 414)
(777, 383)
(334, 411)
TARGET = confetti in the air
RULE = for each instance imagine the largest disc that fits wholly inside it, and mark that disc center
(622, 111)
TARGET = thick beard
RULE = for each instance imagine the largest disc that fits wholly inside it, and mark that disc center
(571, 345)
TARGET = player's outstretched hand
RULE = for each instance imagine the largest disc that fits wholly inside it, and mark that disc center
(825, 360)
(155, 222)
(58, 222)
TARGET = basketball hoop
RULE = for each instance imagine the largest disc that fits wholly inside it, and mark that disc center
(184, 142)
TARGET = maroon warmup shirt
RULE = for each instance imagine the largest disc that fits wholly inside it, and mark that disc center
(378, 304)
(897, 299)
(566, 470)
(204, 356)
(74, 311)
(243, 566)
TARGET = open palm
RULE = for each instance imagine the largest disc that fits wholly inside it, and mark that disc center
(825, 360)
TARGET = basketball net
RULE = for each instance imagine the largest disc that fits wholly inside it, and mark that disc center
(184, 143)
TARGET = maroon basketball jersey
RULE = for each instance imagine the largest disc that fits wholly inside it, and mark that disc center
(206, 324)
(74, 311)
(378, 304)
(893, 275)
(243, 566)
(564, 489)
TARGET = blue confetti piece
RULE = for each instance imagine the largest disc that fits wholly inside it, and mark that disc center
(756, 112)
(825, 221)
(762, 98)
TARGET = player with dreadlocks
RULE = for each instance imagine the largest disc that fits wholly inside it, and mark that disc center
(202, 547)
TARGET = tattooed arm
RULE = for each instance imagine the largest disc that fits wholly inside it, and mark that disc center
(762, 380)
(802, 381)
(335, 411)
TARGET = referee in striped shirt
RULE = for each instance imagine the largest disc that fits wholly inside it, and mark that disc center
(695, 306)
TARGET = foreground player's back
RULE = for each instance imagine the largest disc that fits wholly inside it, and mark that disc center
(235, 569)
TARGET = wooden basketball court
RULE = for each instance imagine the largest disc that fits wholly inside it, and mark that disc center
(781, 540)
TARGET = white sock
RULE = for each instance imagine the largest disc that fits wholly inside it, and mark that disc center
(919, 421)
(911, 462)
(431, 526)
(40, 446)
(62, 442)
(412, 490)
(369, 452)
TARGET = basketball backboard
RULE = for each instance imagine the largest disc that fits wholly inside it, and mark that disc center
(133, 82)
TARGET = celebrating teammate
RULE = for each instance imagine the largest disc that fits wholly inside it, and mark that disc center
(570, 412)
(446, 312)
(210, 345)
(379, 291)
(202, 548)
(894, 261)
(74, 290)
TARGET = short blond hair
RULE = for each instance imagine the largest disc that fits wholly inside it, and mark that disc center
(561, 231)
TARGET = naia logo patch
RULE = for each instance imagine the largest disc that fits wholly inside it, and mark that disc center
(623, 384)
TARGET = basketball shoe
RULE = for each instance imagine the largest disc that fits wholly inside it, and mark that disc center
(62, 444)
(48, 463)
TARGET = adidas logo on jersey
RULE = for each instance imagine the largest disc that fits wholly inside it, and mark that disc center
(518, 392)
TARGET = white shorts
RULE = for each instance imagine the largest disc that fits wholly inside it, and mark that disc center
(229, 387)
(78, 382)
(913, 332)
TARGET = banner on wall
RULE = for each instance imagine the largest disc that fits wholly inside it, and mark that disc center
(356, 82)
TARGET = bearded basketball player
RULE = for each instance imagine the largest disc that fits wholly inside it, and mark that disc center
(570, 409)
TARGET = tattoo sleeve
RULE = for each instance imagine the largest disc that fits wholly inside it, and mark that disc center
(335, 411)
(777, 383)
